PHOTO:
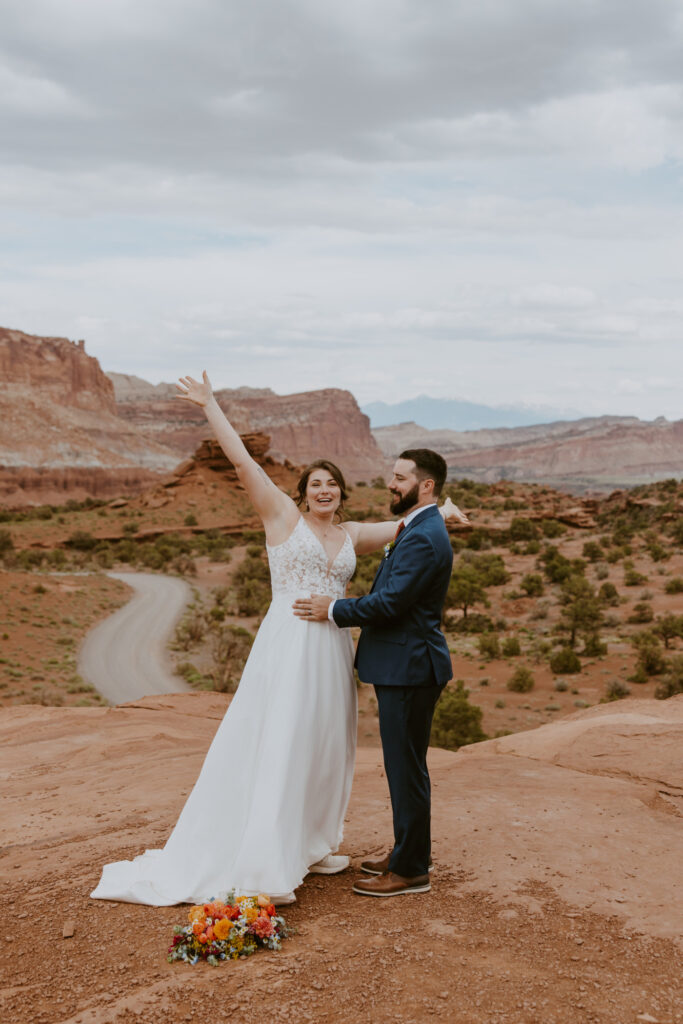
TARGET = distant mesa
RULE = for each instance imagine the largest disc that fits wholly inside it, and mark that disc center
(69, 430)
(594, 453)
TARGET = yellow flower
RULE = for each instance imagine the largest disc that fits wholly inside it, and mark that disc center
(222, 929)
(196, 914)
(263, 900)
(251, 913)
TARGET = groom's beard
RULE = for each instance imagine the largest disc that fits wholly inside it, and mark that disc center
(401, 503)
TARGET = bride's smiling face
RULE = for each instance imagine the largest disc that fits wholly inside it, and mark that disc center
(323, 493)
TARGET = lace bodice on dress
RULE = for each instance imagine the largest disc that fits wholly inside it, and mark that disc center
(301, 564)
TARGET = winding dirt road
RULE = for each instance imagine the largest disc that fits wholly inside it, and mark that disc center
(125, 656)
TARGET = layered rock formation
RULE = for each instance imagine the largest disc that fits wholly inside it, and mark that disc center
(302, 427)
(60, 435)
(600, 452)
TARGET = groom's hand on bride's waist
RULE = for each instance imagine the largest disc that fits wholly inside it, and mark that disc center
(313, 608)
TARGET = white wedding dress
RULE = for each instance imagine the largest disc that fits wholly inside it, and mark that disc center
(272, 793)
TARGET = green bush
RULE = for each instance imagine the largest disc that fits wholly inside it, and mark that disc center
(81, 540)
(532, 585)
(633, 578)
(668, 627)
(642, 612)
(190, 519)
(608, 595)
(552, 528)
(592, 551)
(565, 662)
(456, 722)
(230, 649)
(672, 683)
(489, 647)
(474, 623)
(651, 660)
(522, 529)
(674, 585)
(616, 690)
(521, 681)
(511, 647)
(593, 646)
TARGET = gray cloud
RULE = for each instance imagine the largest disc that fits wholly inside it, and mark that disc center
(297, 188)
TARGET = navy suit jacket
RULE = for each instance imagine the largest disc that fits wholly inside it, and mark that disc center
(401, 643)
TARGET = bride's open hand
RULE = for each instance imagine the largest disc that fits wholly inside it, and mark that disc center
(190, 390)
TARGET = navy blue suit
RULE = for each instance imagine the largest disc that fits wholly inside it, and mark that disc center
(403, 652)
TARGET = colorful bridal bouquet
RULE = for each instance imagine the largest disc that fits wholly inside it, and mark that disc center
(227, 930)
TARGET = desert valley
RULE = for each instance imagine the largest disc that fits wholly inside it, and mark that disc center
(558, 791)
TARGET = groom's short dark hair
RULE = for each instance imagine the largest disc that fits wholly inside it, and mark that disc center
(429, 465)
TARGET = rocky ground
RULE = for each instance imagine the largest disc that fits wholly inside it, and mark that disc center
(556, 895)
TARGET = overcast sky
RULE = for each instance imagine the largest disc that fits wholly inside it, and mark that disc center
(471, 198)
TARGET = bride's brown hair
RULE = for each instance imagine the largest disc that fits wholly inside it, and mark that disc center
(334, 471)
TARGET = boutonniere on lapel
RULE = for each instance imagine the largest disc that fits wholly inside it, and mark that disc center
(388, 548)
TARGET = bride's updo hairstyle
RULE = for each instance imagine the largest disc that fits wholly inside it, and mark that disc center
(334, 471)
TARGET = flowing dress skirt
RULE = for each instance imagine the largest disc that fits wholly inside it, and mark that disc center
(272, 793)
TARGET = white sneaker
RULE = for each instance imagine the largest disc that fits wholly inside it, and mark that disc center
(330, 865)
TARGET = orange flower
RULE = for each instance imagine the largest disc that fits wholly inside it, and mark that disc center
(202, 938)
(263, 900)
(251, 913)
(198, 927)
(222, 929)
(196, 914)
(271, 910)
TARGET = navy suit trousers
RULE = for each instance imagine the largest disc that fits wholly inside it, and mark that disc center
(405, 721)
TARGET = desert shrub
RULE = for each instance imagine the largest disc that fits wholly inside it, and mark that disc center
(616, 690)
(642, 612)
(601, 571)
(540, 611)
(521, 680)
(674, 585)
(474, 623)
(190, 519)
(565, 661)
(81, 540)
(130, 528)
(561, 685)
(657, 552)
(466, 587)
(490, 567)
(532, 585)
(253, 597)
(217, 613)
(254, 551)
(592, 551)
(581, 610)
(522, 529)
(229, 650)
(651, 660)
(184, 566)
(456, 722)
(556, 567)
(488, 644)
(632, 578)
(593, 647)
(191, 674)
(511, 647)
(532, 548)
(552, 528)
(668, 627)
(220, 594)
(608, 594)
(477, 539)
(672, 683)
(677, 532)
(191, 629)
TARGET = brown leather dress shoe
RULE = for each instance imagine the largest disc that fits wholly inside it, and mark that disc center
(379, 867)
(390, 884)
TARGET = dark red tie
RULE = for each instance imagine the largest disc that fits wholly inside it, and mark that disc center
(401, 526)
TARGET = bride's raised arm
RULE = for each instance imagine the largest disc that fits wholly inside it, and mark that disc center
(369, 537)
(276, 509)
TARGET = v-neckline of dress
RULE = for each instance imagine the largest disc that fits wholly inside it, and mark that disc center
(329, 563)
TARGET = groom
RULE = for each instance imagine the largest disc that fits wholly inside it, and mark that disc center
(403, 652)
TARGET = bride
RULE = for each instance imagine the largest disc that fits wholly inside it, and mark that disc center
(269, 802)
